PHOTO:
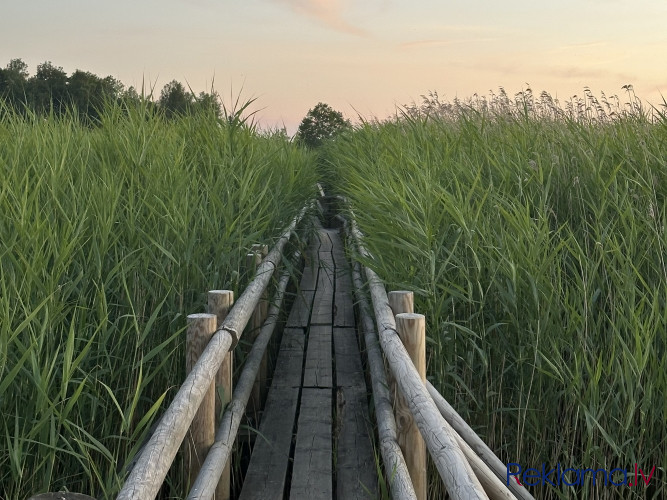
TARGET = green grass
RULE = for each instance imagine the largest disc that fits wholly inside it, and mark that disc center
(110, 236)
(534, 238)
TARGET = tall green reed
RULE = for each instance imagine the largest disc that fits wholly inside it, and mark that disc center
(536, 245)
(110, 236)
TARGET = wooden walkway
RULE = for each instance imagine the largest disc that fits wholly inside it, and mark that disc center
(314, 439)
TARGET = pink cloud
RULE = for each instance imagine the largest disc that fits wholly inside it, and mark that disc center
(327, 12)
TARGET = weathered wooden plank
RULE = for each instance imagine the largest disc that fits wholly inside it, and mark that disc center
(343, 312)
(309, 277)
(349, 372)
(289, 364)
(339, 257)
(356, 475)
(267, 471)
(312, 471)
(300, 313)
(318, 368)
(325, 239)
(323, 303)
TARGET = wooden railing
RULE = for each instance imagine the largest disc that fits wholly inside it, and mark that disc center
(467, 467)
(150, 470)
(395, 350)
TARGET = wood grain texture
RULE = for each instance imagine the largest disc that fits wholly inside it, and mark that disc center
(318, 367)
(253, 260)
(309, 277)
(411, 329)
(400, 301)
(201, 434)
(218, 456)
(396, 472)
(322, 313)
(219, 303)
(349, 370)
(343, 306)
(267, 471)
(312, 472)
(289, 364)
(356, 477)
(299, 316)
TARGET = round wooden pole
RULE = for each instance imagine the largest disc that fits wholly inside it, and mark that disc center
(201, 434)
(401, 301)
(253, 260)
(383, 396)
(262, 251)
(219, 303)
(152, 465)
(411, 329)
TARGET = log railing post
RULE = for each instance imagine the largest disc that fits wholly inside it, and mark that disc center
(263, 306)
(220, 303)
(411, 329)
(253, 260)
(401, 301)
(201, 434)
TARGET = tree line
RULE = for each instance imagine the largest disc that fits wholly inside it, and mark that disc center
(52, 91)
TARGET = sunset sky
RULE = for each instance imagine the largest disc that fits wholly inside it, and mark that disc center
(362, 57)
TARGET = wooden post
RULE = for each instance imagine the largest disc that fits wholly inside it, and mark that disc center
(262, 251)
(411, 329)
(219, 303)
(401, 301)
(201, 434)
(152, 466)
(394, 463)
(253, 260)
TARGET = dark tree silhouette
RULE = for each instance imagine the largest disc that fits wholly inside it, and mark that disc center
(320, 124)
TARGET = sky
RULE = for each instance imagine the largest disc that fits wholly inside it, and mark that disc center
(365, 58)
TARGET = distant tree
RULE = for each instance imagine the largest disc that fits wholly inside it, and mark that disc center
(320, 124)
(210, 102)
(48, 88)
(13, 82)
(175, 100)
(88, 93)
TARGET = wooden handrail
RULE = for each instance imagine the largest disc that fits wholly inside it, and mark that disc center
(476, 445)
(486, 466)
(151, 468)
(455, 471)
(218, 455)
(400, 486)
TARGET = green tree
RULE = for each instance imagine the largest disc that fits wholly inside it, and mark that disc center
(13, 82)
(48, 88)
(209, 102)
(175, 100)
(88, 92)
(321, 124)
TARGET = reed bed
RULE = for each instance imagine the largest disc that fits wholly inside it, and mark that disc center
(534, 238)
(110, 236)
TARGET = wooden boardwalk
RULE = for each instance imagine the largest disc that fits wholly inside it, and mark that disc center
(314, 438)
